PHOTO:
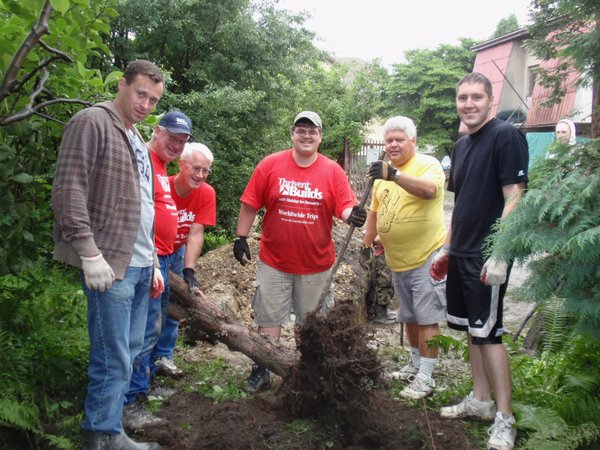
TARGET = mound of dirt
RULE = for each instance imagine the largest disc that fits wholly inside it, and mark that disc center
(336, 384)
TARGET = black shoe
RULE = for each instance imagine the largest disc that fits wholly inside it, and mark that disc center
(259, 379)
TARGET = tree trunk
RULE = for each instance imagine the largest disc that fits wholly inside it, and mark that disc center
(201, 313)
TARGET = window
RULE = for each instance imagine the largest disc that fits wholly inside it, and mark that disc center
(531, 78)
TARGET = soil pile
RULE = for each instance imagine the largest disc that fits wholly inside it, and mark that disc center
(337, 383)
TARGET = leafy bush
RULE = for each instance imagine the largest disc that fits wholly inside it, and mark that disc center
(555, 231)
(43, 328)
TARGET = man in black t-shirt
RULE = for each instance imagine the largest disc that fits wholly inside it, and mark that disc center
(488, 176)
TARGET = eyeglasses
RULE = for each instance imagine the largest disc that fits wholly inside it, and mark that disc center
(198, 169)
(313, 132)
(174, 138)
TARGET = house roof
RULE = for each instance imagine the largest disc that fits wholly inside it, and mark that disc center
(519, 35)
(492, 59)
(538, 115)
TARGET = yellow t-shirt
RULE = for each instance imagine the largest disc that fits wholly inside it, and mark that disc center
(410, 228)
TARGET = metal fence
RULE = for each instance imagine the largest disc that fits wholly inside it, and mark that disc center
(356, 164)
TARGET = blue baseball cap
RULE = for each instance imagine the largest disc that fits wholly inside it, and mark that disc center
(177, 123)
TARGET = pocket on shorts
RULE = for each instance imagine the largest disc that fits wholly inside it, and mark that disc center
(440, 289)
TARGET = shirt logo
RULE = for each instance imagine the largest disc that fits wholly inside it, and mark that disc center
(164, 182)
(186, 216)
(298, 189)
(521, 173)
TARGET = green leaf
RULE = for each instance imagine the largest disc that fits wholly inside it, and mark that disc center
(113, 77)
(60, 5)
(23, 178)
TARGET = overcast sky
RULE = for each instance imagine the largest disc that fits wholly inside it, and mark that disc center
(384, 29)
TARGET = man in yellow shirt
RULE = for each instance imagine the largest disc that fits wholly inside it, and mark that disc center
(408, 215)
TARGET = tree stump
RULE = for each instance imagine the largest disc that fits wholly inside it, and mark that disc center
(202, 313)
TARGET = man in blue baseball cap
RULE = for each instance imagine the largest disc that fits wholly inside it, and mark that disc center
(177, 122)
(168, 140)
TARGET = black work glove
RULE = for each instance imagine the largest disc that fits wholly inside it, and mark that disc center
(240, 248)
(366, 257)
(380, 170)
(357, 217)
(190, 278)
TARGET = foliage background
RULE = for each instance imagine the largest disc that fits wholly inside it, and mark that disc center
(241, 70)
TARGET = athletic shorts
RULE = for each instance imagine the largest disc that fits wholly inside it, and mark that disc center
(279, 293)
(473, 306)
(422, 299)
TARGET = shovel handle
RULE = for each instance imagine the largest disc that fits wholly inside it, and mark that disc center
(345, 243)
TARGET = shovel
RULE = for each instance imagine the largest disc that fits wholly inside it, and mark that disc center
(345, 243)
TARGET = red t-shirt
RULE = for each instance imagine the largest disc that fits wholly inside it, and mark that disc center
(165, 211)
(300, 203)
(200, 206)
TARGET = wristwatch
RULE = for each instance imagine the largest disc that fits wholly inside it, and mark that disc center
(397, 176)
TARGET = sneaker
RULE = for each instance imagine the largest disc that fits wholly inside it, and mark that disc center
(470, 407)
(135, 417)
(95, 440)
(420, 387)
(406, 373)
(502, 434)
(161, 392)
(166, 366)
(259, 379)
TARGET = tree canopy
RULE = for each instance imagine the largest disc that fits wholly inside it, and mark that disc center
(423, 89)
(506, 25)
(47, 74)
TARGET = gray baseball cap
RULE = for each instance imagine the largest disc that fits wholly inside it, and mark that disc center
(311, 116)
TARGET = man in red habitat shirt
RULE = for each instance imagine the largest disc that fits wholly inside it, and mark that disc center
(302, 191)
(196, 209)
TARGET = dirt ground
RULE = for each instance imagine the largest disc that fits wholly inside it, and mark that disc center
(264, 421)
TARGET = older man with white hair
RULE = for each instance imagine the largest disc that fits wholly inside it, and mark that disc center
(407, 212)
(196, 208)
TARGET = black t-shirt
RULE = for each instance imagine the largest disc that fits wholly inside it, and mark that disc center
(482, 163)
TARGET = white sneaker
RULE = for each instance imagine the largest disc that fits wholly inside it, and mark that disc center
(502, 434)
(420, 387)
(470, 407)
(405, 373)
(166, 366)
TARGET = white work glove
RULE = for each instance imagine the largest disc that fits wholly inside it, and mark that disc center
(439, 265)
(158, 284)
(494, 272)
(98, 275)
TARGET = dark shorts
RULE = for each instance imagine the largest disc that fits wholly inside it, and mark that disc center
(473, 306)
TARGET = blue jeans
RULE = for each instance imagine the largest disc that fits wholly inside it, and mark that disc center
(156, 318)
(116, 320)
(168, 338)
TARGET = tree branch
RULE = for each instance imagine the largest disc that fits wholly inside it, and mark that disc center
(27, 45)
(29, 111)
(56, 51)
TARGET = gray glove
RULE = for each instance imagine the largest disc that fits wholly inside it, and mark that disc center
(98, 275)
(494, 272)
